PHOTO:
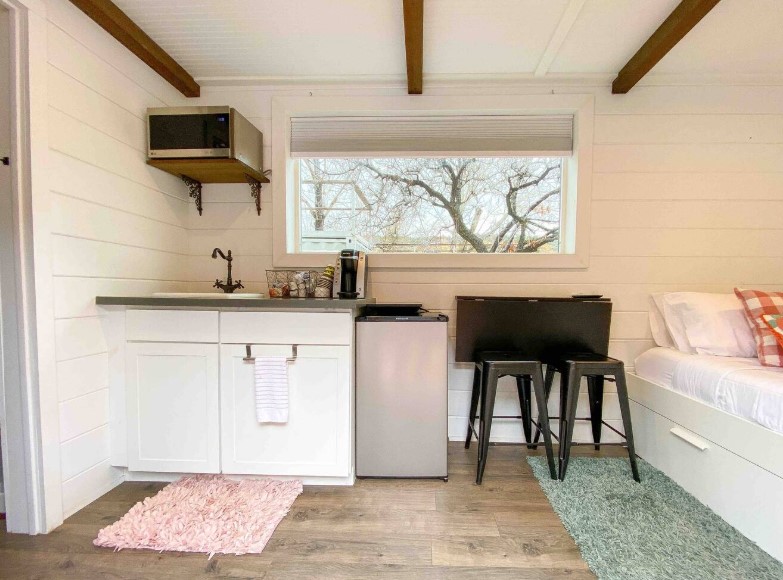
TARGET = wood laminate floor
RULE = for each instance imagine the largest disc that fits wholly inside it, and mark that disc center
(377, 529)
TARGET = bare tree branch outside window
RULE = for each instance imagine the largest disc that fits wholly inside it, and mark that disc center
(433, 205)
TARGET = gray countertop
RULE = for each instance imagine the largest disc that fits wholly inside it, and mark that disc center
(235, 303)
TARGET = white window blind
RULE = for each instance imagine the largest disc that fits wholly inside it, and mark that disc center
(398, 136)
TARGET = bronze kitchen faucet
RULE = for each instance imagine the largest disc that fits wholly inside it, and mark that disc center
(229, 285)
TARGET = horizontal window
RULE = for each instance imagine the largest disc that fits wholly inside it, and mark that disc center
(454, 205)
(433, 182)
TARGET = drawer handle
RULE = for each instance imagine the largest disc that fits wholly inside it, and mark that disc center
(688, 438)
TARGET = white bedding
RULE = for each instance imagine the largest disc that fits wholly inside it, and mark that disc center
(740, 386)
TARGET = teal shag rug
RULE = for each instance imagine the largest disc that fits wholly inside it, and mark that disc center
(648, 531)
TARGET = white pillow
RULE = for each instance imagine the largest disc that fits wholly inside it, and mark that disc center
(660, 333)
(673, 316)
(708, 324)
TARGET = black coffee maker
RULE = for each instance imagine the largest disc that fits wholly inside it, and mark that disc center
(351, 275)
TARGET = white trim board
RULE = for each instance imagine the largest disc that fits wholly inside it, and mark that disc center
(32, 482)
(488, 81)
(9, 357)
(567, 20)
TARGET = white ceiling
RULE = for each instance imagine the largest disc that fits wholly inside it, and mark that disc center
(316, 39)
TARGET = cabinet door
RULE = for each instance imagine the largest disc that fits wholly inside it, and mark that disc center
(316, 440)
(172, 406)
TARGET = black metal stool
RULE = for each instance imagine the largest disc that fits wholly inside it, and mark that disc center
(596, 368)
(489, 368)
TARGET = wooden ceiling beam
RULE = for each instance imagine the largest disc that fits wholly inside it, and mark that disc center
(413, 14)
(114, 21)
(687, 15)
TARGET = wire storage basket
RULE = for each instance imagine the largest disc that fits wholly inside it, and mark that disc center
(291, 283)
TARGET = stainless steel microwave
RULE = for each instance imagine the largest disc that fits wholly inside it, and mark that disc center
(202, 132)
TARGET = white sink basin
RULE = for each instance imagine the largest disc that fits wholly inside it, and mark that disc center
(235, 295)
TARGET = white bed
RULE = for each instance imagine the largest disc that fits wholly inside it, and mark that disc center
(715, 426)
(740, 386)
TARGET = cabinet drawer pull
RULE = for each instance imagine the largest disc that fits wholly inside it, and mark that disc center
(688, 438)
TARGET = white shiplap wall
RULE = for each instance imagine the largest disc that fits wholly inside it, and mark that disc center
(118, 226)
(685, 186)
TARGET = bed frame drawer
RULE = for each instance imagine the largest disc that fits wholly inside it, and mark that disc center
(744, 438)
(671, 447)
(732, 486)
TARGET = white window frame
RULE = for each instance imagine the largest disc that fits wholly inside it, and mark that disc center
(577, 180)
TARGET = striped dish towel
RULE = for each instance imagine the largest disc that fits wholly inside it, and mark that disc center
(271, 389)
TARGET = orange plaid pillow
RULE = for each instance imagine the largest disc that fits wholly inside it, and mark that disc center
(757, 304)
(775, 322)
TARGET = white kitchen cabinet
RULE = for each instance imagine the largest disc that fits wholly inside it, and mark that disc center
(172, 404)
(316, 440)
(286, 327)
(172, 325)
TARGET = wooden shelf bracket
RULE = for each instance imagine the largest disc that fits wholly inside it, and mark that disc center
(195, 172)
(194, 188)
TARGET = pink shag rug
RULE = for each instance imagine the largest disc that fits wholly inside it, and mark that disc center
(205, 513)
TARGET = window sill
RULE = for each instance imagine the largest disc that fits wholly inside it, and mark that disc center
(444, 261)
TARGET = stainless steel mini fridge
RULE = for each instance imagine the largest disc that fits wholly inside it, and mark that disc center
(402, 396)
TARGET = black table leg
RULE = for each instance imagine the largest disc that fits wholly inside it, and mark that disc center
(489, 387)
(474, 400)
(572, 400)
(548, 380)
(595, 389)
(541, 401)
(561, 427)
(525, 405)
(625, 411)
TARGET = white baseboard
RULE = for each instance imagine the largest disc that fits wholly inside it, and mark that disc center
(82, 490)
(167, 477)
